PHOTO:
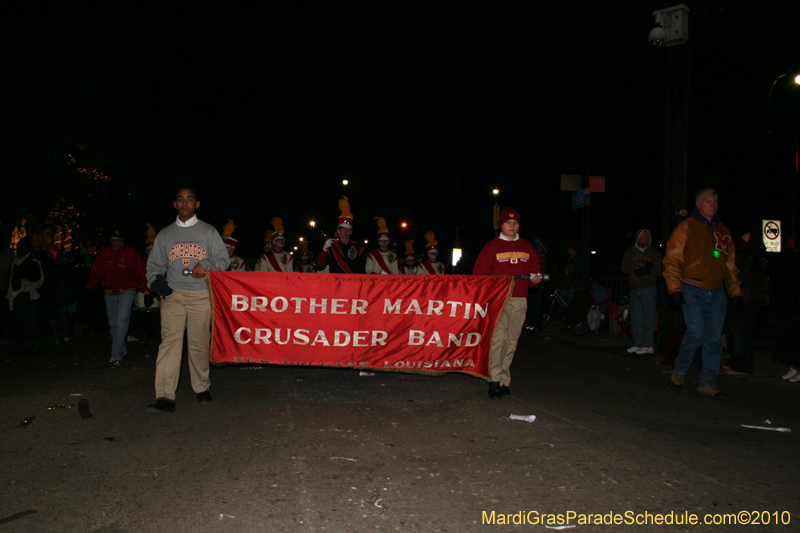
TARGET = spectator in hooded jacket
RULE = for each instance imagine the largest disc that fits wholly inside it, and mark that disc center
(642, 264)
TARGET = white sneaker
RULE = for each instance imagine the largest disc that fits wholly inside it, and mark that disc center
(794, 379)
(643, 351)
(634, 349)
(791, 373)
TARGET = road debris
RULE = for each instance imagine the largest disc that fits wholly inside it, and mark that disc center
(528, 418)
(781, 430)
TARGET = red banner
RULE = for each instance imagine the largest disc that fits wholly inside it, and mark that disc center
(428, 324)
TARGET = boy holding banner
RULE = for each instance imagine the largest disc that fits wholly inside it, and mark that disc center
(508, 255)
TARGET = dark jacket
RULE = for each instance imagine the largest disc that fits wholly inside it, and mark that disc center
(643, 265)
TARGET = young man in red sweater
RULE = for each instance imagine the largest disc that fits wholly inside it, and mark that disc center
(508, 255)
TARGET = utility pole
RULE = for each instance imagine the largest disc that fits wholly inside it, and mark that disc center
(672, 29)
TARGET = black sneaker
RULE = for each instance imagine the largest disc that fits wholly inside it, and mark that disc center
(115, 363)
(162, 405)
(505, 390)
(204, 397)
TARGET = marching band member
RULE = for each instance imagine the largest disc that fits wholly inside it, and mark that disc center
(431, 265)
(304, 264)
(409, 265)
(342, 255)
(277, 260)
(237, 263)
(382, 260)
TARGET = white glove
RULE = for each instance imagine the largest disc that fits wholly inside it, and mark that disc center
(327, 245)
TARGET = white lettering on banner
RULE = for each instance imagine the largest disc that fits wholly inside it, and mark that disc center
(413, 307)
(321, 339)
(301, 337)
(341, 338)
(238, 302)
(339, 306)
(417, 338)
(263, 335)
(359, 338)
(283, 304)
(471, 310)
(280, 304)
(389, 307)
(258, 303)
(336, 306)
(278, 336)
(238, 335)
(444, 363)
(435, 307)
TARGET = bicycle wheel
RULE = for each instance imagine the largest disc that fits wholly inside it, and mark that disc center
(544, 320)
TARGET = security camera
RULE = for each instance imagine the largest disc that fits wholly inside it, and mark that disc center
(657, 36)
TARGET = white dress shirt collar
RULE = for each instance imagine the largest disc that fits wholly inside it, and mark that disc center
(191, 222)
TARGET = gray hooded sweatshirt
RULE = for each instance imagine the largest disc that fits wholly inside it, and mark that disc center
(643, 265)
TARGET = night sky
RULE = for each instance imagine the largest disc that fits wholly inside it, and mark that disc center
(423, 109)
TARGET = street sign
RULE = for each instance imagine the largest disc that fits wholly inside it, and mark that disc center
(597, 184)
(570, 182)
(580, 198)
(771, 234)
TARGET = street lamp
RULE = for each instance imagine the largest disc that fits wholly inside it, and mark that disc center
(345, 182)
(312, 224)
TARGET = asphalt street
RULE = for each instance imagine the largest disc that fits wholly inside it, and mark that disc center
(312, 449)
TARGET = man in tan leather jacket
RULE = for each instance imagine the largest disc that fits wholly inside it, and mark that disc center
(700, 272)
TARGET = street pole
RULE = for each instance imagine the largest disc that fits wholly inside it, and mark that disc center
(676, 148)
(672, 32)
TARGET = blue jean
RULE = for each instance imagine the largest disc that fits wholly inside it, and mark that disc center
(704, 315)
(643, 316)
(118, 309)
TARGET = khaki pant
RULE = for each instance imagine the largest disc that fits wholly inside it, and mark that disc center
(190, 311)
(505, 338)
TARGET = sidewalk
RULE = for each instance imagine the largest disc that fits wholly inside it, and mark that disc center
(594, 340)
(767, 370)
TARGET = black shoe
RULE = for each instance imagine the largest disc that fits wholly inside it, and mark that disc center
(162, 405)
(115, 363)
(494, 390)
(505, 390)
(204, 397)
